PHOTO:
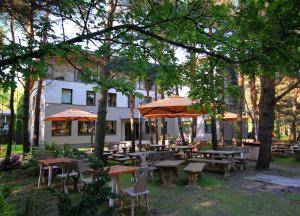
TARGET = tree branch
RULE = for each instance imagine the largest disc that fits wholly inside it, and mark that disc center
(287, 90)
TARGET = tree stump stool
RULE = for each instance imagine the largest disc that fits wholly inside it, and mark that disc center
(194, 170)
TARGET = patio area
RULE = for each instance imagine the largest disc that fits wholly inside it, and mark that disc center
(216, 195)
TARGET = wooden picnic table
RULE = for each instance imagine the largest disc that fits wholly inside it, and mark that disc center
(114, 172)
(135, 155)
(52, 162)
(187, 150)
(168, 171)
(229, 155)
(156, 147)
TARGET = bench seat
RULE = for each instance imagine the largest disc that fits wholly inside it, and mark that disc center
(222, 164)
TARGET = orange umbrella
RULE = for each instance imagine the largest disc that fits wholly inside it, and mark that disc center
(171, 107)
(72, 114)
(229, 116)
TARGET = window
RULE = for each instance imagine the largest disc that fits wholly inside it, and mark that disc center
(90, 98)
(86, 127)
(207, 126)
(61, 128)
(129, 101)
(110, 127)
(112, 100)
(66, 96)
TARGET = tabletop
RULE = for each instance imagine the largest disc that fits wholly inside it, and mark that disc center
(115, 170)
(169, 163)
(154, 145)
(136, 154)
(53, 161)
(220, 152)
(194, 167)
(182, 147)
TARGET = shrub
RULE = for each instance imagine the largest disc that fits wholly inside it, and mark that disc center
(11, 163)
(94, 199)
(6, 191)
(31, 165)
(6, 209)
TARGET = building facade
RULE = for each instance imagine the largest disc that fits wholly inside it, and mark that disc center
(64, 90)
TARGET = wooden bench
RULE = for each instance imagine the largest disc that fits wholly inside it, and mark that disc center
(241, 161)
(224, 164)
(121, 160)
(193, 170)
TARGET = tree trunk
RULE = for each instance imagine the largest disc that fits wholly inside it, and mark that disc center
(266, 121)
(11, 99)
(180, 128)
(214, 137)
(150, 121)
(294, 116)
(132, 129)
(156, 120)
(27, 88)
(102, 108)
(253, 97)
(37, 112)
(100, 124)
(240, 106)
(163, 122)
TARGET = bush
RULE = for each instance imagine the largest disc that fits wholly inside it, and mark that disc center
(31, 165)
(11, 163)
(94, 200)
(6, 209)
(6, 191)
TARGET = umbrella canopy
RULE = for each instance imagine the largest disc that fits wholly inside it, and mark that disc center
(229, 116)
(72, 114)
(171, 107)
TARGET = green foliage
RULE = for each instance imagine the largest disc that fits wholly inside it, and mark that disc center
(6, 209)
(31, 165)
(64, 151)
(95, 197)
(13, 162)
(6, 191)
(30, 207)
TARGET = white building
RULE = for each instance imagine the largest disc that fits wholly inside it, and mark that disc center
(64, 90)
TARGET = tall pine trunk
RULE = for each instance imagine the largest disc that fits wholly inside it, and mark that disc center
(163, 121)
(27, 87)
(12, 98)
(266, 121)
(156, 120)
(132, 128)
(100, 124)
(294, 116)
(37, 112)
(180, 128)
(254, 111)
(150, 121)
(214, 137)
(240, 106)
(103, 93)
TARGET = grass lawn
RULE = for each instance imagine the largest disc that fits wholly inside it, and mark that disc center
(217, 196)
(286, 161)
(16, 149)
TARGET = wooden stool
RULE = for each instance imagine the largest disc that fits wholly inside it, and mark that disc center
(193, 170)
